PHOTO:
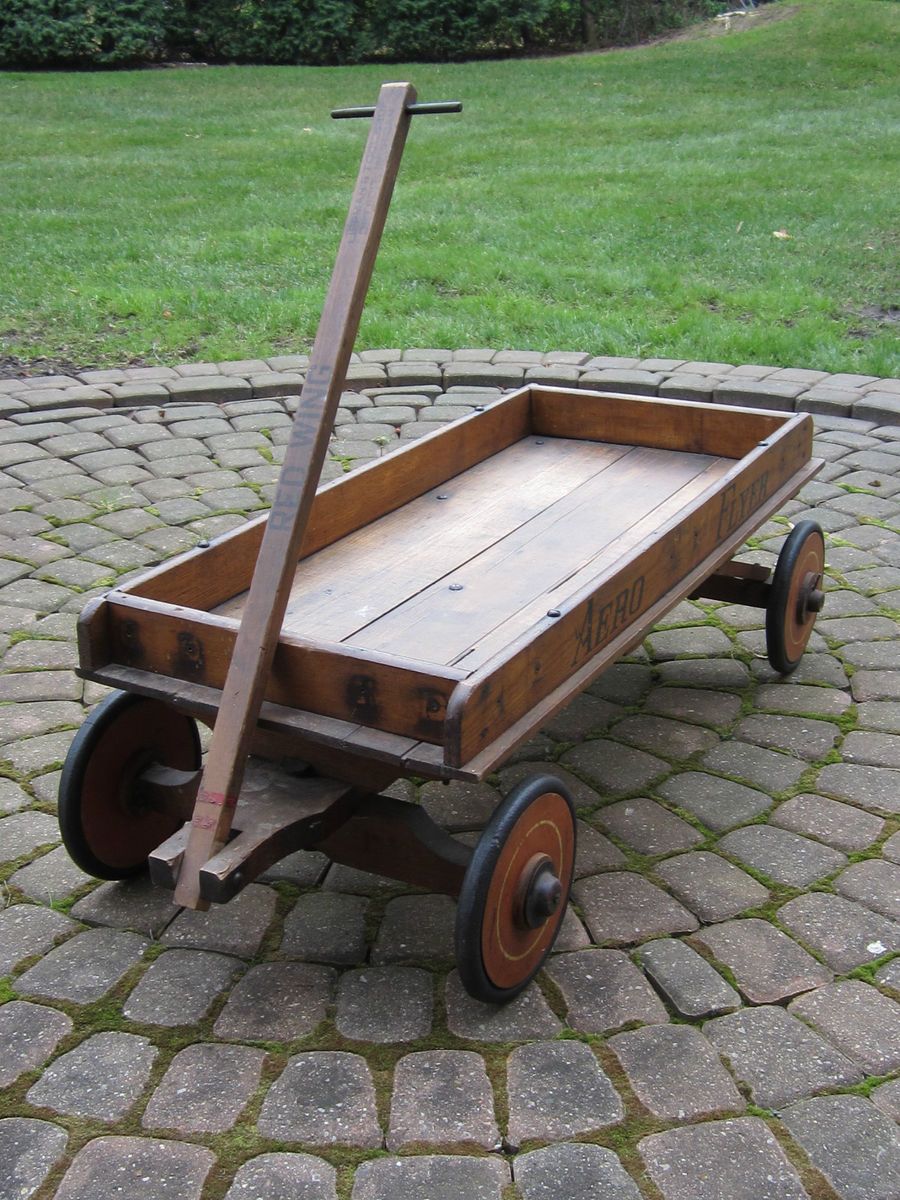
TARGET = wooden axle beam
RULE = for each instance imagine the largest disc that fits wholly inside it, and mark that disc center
(278, 814)
(394, 838)
(737, 583)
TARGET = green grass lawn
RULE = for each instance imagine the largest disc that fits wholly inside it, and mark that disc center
(619, 203)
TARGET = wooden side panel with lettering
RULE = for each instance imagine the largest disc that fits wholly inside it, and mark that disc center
(517, 679)
(421, 757)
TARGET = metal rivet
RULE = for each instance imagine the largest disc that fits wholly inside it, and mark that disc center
(554, 612)
(203, 544)
(539, 442)
(456, 587)
(443, 496)
(478, 408)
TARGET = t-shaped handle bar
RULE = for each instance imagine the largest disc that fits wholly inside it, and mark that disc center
(414, 110)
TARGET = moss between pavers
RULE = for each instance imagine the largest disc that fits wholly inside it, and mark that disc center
(240, 1144)
(725, 971)
(65, 904)
(9, 868)
(816, 1185)
(552, 993)
(867, 972)
(8, 771)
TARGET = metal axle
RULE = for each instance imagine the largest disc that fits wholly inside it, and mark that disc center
(414, 110)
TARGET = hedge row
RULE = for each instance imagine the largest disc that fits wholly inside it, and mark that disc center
(119, 33)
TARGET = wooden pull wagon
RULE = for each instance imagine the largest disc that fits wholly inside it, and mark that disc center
(420, 617)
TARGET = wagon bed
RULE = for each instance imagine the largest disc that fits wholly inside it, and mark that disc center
(450, 596)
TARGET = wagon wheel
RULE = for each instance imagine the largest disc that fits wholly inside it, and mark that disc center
(107, 831)
(515, 890)
(796, 596)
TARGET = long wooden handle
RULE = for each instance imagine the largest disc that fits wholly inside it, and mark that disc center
(267, 600)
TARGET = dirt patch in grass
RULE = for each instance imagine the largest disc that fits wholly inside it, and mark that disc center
(18, 368)
(727, 24)
(12, 367)
(875, 317)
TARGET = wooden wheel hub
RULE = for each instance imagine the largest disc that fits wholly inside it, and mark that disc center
(538, 894)
(810, 598)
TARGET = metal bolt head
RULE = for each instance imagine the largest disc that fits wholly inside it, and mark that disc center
(810, 597)
(815, 601)
(543, 898)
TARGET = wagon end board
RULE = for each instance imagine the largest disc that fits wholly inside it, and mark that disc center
(175, 646)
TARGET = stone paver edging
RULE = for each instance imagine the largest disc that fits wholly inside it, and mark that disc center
(866, 397)
(722, 1012)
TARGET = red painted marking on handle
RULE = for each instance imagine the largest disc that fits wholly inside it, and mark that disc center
(217, 799)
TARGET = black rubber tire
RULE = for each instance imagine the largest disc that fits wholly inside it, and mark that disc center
(99, 730)
(473, 897)
(783, 658)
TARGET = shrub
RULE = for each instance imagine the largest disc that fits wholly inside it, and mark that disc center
(80, 33)
(265, 31)
(35, 33)
(423, 29)
(299, 31)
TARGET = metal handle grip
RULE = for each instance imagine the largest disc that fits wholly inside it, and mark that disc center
(415, 110)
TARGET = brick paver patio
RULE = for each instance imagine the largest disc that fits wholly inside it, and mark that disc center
(721, 1017)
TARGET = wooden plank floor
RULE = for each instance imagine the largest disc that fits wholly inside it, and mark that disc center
(458, 573)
